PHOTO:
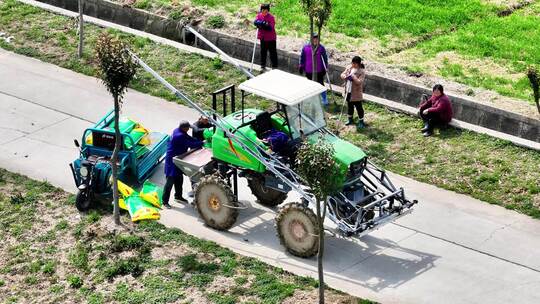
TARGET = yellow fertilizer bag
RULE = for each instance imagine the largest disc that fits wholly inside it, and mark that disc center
(152, 194)
(124, 189)
(122, 204)
(141, 210)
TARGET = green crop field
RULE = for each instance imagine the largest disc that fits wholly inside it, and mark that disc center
(462, 40)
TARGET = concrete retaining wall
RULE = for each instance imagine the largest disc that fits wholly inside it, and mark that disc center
(464, 109)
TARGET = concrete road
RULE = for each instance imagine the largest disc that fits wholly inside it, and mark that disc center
(452, 249)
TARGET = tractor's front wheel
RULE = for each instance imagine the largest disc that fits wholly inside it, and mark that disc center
(215, 203)
(265, 196)
(298, 230)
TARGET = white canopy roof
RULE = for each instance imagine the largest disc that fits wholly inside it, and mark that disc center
(283, 87)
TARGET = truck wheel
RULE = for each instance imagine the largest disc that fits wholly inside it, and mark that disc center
(265, 196)
(215, 203)
(83, 201)
(298, 230)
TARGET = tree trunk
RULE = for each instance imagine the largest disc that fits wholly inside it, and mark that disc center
(320, 221)
(114, 159)
(81, 34)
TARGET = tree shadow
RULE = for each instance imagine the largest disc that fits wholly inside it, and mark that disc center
(371, 262)
(359, 261)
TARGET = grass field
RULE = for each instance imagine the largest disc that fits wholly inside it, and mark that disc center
(420, 36)
(492, 170)
(50, 254)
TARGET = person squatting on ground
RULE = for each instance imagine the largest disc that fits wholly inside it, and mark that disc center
(179, 144)
(266, 24)
(354, 76)
(197, 128)
(321, 59)
(435, 111)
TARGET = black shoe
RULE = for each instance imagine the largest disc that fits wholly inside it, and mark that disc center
(181, 200)
(428, 133)
(350, 122)
(166, 205)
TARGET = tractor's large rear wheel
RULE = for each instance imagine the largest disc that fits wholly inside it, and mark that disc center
(265, 196)
(298, 230)
(215, 202)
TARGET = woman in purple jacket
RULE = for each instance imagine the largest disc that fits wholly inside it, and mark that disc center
(435, 111)
(266, 24)
(321, 58)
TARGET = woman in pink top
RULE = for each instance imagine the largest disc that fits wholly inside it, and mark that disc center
(435, 111)
(266, 24)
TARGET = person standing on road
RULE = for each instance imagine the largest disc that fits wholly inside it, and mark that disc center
(321, 59)
(435, 111)
(266, 24)
(179, 144)
(354, 76)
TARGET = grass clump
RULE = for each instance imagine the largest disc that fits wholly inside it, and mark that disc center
(74, 281)
(121, 243)
(121, 267)
(216, 21)
(78, 257)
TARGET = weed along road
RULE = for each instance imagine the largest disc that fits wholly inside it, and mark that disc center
(451, 249)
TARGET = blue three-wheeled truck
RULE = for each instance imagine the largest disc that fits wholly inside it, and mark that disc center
(141, 152)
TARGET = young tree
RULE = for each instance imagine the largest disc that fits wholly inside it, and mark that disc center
(534, 79)
(117, 68)
(318, 12)
(81, 29)
(318, 168)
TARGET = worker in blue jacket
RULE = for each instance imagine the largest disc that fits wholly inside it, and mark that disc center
(179, 144)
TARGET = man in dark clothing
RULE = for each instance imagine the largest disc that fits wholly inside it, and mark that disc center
(321, 58)
(266, 24)
(180, 143)
(276, 140)
(197, 128)
(435, 111)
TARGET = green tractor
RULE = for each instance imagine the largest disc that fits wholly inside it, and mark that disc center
(366, 200)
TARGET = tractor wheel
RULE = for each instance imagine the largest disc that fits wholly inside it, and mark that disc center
(265, 196)
(83, 201)
(298, 230)
(215, 202)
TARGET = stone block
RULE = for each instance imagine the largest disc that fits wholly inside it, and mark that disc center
(105, 11)
(90, 8)
(121, 15)
(138, 19)
(154, 25)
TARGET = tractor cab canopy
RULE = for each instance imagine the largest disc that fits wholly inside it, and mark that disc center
(299, 98)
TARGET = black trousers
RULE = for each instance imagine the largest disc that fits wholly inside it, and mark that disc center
(177, 181)
(431, 120)
(352, 105)
(269, 46)
(320, 76)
